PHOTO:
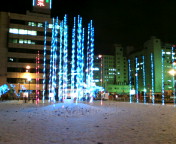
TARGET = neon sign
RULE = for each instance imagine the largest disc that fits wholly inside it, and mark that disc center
(42, 3)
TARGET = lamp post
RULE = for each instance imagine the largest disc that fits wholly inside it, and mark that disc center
(28, 79)
(101, 72)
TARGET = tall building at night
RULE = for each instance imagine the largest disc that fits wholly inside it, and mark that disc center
(22, 37)
(112, 71)
(149, 70)
(146, 70)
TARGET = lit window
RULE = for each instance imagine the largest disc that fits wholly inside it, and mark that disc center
(32, 32)
(21, 41)
(29, 41)
(11, 59)
(22, 31)
(26, 41)
(40, 25)
(13, 30)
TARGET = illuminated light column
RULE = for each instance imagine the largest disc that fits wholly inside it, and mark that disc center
(82, 61)
(91, 58)
(79, 86)
(53, 60)
(136, 77)
(61, 60)
(44, 61)
(65, 58)
(73, 60)
(88, 57)
(163, 97)
(60, 72)
(54, 44)
(152, 78)
(173, 78)
(37, 76)
(144, 78)
(129, 75)
(88, 69)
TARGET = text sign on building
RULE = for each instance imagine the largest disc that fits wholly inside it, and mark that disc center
(42, 3)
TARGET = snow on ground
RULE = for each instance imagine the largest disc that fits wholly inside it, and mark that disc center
(87, 123)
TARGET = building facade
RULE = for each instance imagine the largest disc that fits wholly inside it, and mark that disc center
(21, 47)
(112, 71)
(149, 69)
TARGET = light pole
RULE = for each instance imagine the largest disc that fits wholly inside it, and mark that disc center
(101, 72)
(28, 79)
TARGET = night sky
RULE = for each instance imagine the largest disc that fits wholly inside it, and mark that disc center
(127, 22)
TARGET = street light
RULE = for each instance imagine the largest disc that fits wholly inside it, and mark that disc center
(101, 73)
(28, 79)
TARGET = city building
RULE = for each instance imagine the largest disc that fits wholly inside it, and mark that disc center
(149, 70)
(112, 71)
(21, 43)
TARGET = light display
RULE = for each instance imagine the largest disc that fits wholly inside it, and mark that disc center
(173, 78)
(73, 59)
(65, 80)
(163, 97)
(79, 85)
(144, 78)
(37, 76)
(60, 73)
(129, 74)
(152, 78)
(65, 58)
(3, 89)
(90, 58)
(136, 78)
(44, 61)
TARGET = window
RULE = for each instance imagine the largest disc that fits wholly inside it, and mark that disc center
(31, 23)
(40, 25)
(22, 31)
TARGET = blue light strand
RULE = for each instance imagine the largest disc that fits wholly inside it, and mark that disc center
(144, 78)
(65, 58)
(50, 4)
(79, 58)
(173, 78)
(136, 76)
(152, 77)
(51, 62)
(88, 59)
(82, 58)
(73, 59)
(162, 61)
(91, 57)
(55, 55)
(44, 61)
(60, 72)
(129, 76)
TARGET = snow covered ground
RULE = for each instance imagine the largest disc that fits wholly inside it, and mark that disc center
(87, 123)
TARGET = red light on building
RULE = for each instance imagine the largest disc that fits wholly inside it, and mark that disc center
(40, 3)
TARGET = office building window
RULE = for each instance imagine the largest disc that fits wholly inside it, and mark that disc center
(22, 31)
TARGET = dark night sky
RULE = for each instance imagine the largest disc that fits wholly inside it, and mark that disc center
(129, 22)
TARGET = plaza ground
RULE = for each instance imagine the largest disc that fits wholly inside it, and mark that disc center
(100, 122)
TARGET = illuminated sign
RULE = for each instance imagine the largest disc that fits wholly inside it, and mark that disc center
(42, 3)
